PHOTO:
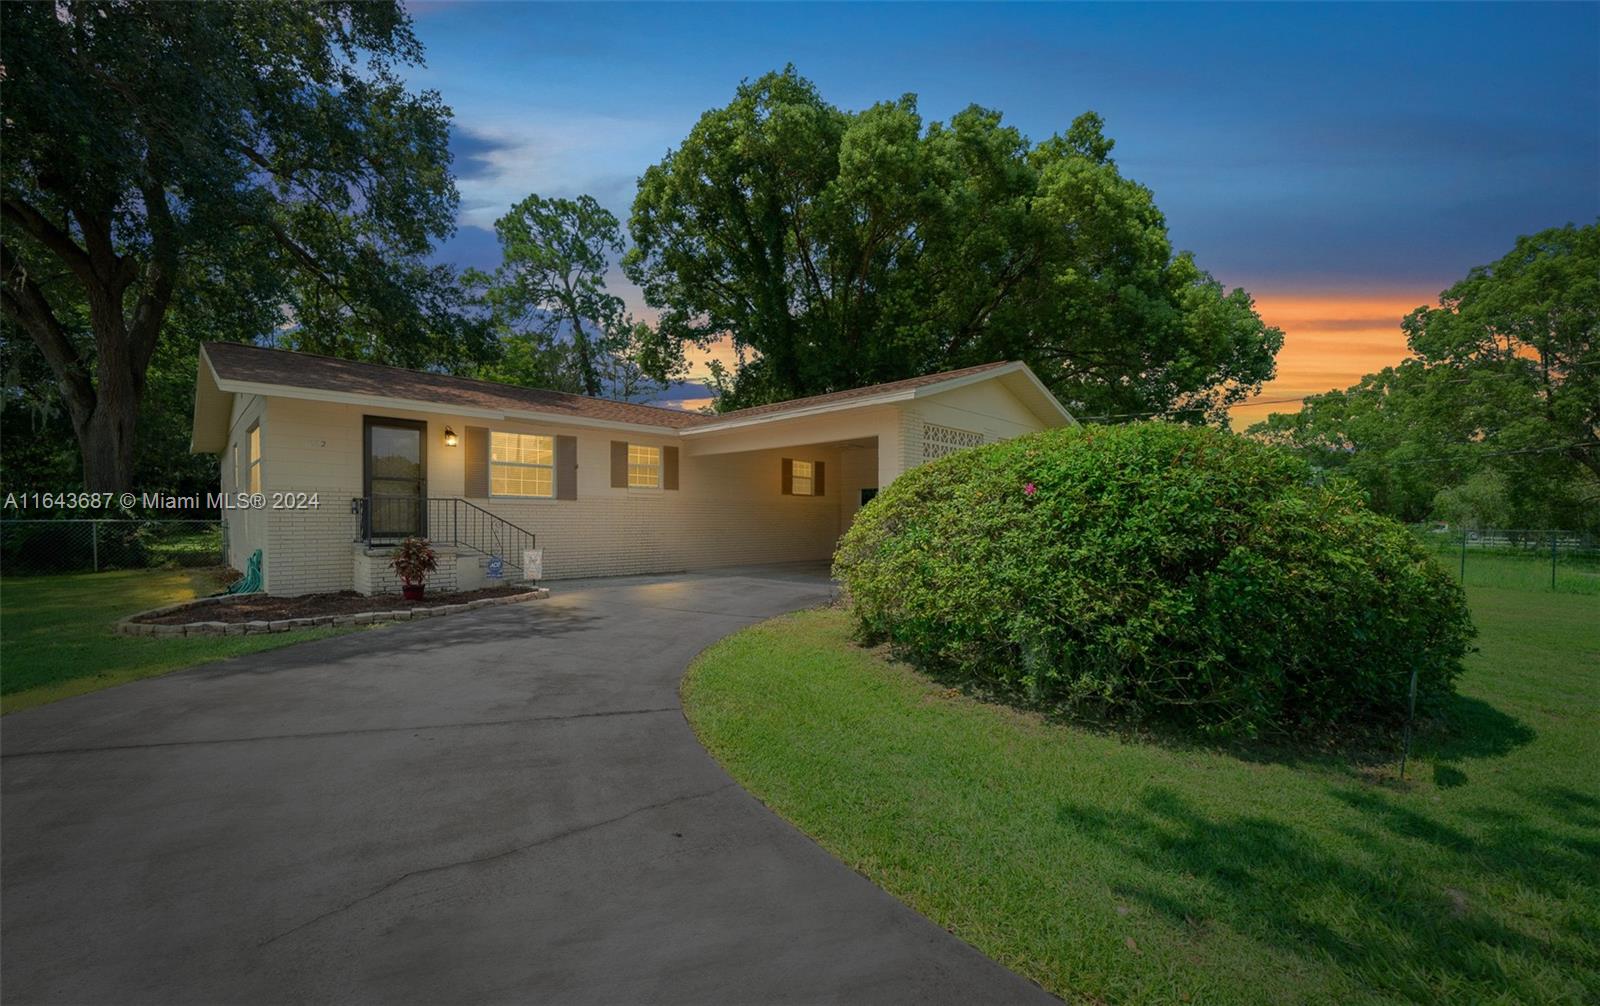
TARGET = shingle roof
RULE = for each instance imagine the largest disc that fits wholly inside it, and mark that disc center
(870, 391)
(242, 362)
(236, 361)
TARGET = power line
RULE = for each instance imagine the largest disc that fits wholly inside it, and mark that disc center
(1193, 408)
(1582, 445)
(1316, 394)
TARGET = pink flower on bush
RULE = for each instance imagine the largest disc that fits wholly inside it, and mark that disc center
(1029, 489)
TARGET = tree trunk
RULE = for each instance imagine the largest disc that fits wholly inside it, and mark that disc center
(580, 341)
(1588, 457)
(106, 439)
(104, 411)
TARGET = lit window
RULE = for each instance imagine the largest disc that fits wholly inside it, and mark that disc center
(644, 467)
(253, 458)
(521, 464)
(802, 478)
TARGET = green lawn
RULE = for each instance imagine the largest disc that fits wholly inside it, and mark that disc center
(1112, 869)
(56, 639)
(1576, 572)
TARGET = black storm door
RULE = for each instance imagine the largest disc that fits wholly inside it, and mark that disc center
(396, 477)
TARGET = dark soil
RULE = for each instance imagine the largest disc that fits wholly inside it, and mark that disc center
(345, 602)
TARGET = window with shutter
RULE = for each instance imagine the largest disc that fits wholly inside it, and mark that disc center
(644, 467)
(800, 478)
(803, 478)
(521, 464)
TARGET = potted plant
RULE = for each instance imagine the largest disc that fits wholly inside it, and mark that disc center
(413, 561)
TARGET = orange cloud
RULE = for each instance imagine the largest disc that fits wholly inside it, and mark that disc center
(698, 358)
(1329, 341)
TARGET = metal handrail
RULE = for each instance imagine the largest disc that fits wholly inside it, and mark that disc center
(444, 520)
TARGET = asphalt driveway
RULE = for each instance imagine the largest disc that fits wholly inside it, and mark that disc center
(504, 805)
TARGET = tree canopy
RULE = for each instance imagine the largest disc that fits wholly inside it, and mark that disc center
(1495, 416)
(838, 248)
(261, 167)
(559, 326)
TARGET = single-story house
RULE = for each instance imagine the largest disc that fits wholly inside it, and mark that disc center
(347, 458)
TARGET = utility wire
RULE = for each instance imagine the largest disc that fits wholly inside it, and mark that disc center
(1316, 394)
(1581, 445)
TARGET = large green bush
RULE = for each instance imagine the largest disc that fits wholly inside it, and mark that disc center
(1154, 572)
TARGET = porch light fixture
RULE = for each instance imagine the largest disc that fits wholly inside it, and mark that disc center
(449, 437)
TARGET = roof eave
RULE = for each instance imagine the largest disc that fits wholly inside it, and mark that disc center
(1015, 367)
(208, 428)
(817, 410)
(391, 402)
(1052, 402)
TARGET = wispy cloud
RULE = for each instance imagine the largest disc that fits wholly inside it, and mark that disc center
(503, 158)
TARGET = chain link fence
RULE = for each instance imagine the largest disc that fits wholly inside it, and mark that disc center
(32, 547)
(1517, 558)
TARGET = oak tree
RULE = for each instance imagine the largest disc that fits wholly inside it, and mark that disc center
(837, 248)
(264, 162)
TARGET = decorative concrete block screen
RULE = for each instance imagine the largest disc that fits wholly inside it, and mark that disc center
(937, 441)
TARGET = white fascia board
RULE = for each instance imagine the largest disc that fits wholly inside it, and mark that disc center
(886, 398)
(1016, 367)
(961, 382)
(1055, 403)
(416, 405)
(199, 404)
(815, 410)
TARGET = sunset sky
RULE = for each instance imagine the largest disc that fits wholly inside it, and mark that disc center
(1342, 163)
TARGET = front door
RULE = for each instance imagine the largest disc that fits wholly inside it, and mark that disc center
(396, 477)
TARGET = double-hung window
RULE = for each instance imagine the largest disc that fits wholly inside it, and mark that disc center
(252, 454)
(521, 464)
(803, 476)
(644, 467)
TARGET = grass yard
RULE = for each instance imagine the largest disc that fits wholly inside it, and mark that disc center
(1576, 572)
(56, 639)
(1110, 869)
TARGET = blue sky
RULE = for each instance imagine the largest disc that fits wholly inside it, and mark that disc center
(1358, 156)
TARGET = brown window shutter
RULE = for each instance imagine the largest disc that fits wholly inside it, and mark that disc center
(477, 484)
(669, 468)
(788, 476)
(818, 486)
(566, 468)
(619, 464)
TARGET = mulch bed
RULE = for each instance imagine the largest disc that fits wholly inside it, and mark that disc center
(253, 608)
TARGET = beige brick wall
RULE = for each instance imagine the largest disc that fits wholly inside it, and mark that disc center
(986, 409)
(728, 511)
(858, 470)
(247, 529)
(372, 574)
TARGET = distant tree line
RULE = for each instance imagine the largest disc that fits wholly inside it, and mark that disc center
(1494, 418)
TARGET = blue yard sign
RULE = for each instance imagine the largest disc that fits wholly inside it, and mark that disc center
(496, 568)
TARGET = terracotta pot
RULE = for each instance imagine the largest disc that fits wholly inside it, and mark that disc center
(411, 591)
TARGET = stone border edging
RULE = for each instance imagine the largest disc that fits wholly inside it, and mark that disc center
(129, 627)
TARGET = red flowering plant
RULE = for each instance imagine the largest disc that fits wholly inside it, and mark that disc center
(412, 562)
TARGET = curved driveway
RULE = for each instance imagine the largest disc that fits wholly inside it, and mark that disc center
(503, 805)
